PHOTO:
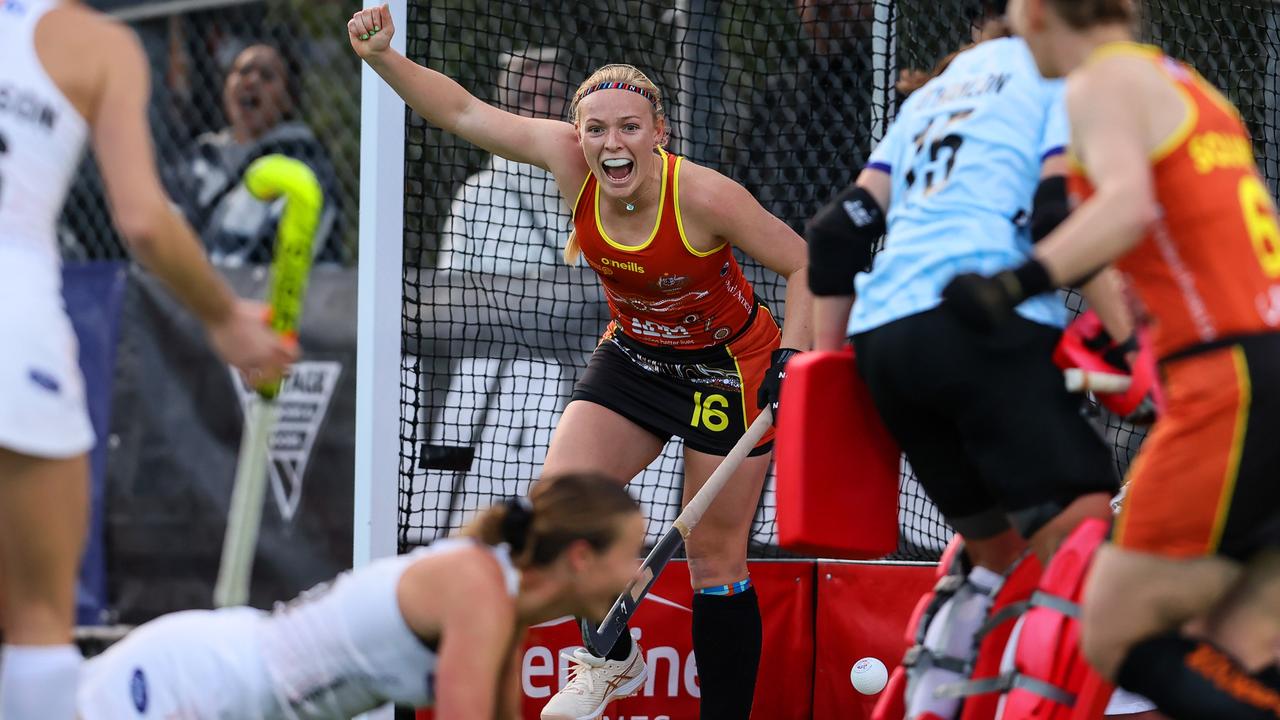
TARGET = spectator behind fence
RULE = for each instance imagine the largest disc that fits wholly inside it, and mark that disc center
(260, 99)
(810, 126)
(508, 218)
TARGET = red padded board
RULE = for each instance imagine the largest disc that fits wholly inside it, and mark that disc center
(837, 466)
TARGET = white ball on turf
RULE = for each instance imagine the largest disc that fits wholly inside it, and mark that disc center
(869, 676)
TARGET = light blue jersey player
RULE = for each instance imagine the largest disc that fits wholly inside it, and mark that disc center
(968, 176)
(964, 156)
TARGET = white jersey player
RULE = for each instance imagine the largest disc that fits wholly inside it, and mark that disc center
(441, 627)
(67, 75)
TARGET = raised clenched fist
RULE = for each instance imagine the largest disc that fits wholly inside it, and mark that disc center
(370, 31)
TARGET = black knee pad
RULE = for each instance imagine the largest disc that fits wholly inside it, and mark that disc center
(1029, 521)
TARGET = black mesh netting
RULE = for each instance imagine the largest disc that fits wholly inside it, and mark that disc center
(787, 98)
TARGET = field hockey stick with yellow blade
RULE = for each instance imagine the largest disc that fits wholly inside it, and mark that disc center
(268, 178)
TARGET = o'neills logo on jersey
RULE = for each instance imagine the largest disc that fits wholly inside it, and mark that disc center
(634, 267)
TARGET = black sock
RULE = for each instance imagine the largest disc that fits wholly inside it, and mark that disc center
(1189, 678)
(621, 649)
(726, 643)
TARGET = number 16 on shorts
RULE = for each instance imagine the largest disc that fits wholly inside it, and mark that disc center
(708, 411)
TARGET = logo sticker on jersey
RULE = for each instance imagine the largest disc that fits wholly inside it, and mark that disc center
(45, 380)
(724, 269)
(302, 405)
(138, 691)
(629, 265)
(649, 328)
(736, 292)
(673, 283)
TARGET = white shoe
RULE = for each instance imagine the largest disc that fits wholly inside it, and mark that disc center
(594, 683)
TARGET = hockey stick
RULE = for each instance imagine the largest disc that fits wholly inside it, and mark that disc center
(1080, 380)
(600, 640)
(268, 178)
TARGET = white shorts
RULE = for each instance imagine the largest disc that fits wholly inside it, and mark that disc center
(193, 665)
(1124, 702)
(43, 411)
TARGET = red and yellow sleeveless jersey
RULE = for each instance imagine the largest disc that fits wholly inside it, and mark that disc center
(1209, 268)
(664, 292)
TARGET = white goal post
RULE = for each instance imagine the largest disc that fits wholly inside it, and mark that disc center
(378, 332)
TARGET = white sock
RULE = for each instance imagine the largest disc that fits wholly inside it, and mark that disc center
(988, 580)
(38, 682)
(951, 634)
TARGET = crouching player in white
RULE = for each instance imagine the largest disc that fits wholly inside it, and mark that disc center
(442, 626)
(67, 75)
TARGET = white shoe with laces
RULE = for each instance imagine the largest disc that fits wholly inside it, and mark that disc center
(594, 683)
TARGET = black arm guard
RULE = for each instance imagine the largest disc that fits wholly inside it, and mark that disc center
(841, 237)
(1050, 207)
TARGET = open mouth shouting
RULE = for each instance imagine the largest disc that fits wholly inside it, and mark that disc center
(618, 170)
(250, 101)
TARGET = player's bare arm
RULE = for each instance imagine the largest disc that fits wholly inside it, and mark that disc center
(510, 686)
(731, 214)
(477, 621)
(1105, 291)
(139, 204)
(549, 144)
(1113, 138)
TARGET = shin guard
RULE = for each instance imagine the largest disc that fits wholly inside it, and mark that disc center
(892, 704)
(1049, 674)
(981, 692)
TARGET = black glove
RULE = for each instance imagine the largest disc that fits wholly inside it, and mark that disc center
(985, 302)
(1115, 354)
(771, 386)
